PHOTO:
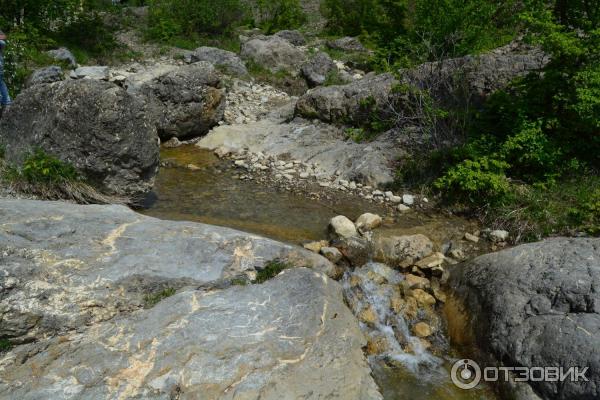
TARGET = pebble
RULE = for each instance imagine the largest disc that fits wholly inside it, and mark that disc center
(408, 199)
(471, 238)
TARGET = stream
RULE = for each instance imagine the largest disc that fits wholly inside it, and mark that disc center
(194, 185)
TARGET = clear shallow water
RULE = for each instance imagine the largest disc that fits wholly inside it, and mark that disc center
(211, 194)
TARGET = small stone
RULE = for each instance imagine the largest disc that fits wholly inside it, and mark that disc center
(367, 222)
(434, 260)
(172, 143)
(316, 246)
(331, 253)
(395, 199)
(193, 167)
(368, 315)
(304, 175)
(324, 184)
(343, 227)
(402, 208)
(458, 254)
(423, 298)
(422, 330)
(408, 199)
(417, 282)
(497, 236)
(471, 237)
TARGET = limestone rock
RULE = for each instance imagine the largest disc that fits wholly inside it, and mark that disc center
(356, 249)
(292, 36)
(422, 330)
(94, 72)
(434, 260)
(423, 298)
(332, 254)
(74, 266)
(99, 128)
(316, 247)
(274, 53)
(367, 222)
(342, 227)
(223, 59)
(538, 305)
(46, 75)
(315, 71)
(347, 43)
(63, 54)
(186, 102)
(402, 251)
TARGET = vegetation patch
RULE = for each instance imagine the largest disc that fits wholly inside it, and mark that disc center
(150, 300)
(270, 270)
(5, 345)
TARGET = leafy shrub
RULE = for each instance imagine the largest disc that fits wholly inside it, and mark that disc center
(42, 168)
(150, 300)
(477, 181)
(170, 18)
(276, 15)
(5, 345)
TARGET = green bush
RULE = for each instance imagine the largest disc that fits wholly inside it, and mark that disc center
(270, 270)
(479, 181)
(171, 18)
(42, 168)
(276, 15)
(150, 300)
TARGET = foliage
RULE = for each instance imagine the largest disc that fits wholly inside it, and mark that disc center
(5, 345)
(275, 15)
(40, 167)
(150, 300)
(171, 18)
(270, 270)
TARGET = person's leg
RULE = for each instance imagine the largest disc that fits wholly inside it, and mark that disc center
(5, 97)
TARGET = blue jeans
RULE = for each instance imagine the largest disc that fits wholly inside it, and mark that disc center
(5, 97)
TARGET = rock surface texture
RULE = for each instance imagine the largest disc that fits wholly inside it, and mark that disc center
(316, 70)
(186, 102)
(45, 75)
(226, 60)
(538, 305)
(74, 277)
(96, 126)
(274, 53)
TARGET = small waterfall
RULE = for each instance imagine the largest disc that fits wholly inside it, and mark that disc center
(376, 293)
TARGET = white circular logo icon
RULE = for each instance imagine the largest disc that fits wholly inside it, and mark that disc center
(465, 374)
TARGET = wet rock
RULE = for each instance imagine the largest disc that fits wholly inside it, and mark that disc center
(315, 247)
(416, 282)
(346, 44)
(434, 260)
(94, 72)
(356, 249)
(422, 330)
(274, 53)
(367, 222)
(96, 126)
(346, 103)
(316, 70)
(63, 54)
(538, 305)
(291, 336)
(185, 102)
(72, 266)
(423, 298)
(292, 36)
(332, 254)
(222, 59)
(342, 227)
(402, 251)
(46, 75)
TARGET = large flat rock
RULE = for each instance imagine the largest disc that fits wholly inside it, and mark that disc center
(63, 266)
(290, 338)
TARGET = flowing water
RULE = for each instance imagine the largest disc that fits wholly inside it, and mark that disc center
(194, 185)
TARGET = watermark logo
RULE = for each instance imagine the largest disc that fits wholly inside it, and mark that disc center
(466, 374)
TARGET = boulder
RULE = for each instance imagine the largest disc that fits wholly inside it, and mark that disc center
(45, 75)
(316, 70)
(293, 36)
(342, 227)
(185, 102)
(95, 72)
(63, 54)
(481, 74)
(226, 60)
(96, 126)
(77, 265)
(350, 103)
(350, 44)
(356, 249)
(291, 336)
(274, 53)
(402, 251)
(537, 305)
